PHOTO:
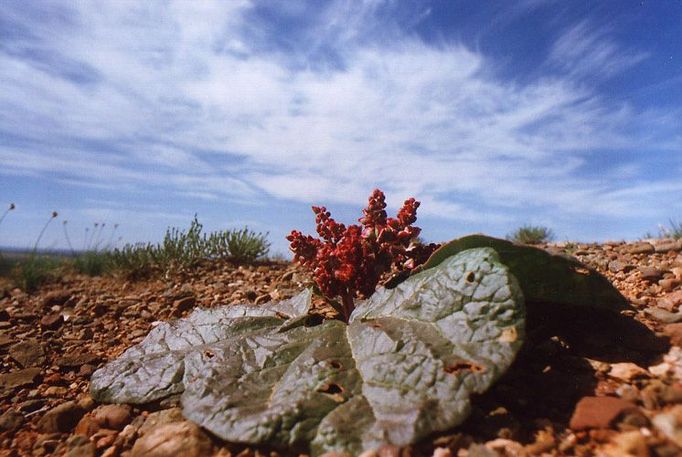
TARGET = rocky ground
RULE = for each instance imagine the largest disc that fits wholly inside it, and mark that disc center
(582, 393)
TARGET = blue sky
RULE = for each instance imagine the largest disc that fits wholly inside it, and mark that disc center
(492, 114)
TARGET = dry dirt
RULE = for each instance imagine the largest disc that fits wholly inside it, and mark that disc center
(584, 389)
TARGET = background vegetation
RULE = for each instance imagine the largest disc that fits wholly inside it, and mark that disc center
(531, 234)
(180, 249)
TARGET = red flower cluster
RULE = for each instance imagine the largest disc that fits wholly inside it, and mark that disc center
(349, 261)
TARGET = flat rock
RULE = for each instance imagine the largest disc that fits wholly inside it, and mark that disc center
(640, 248)
(76, 360)
(11, 420)
(617, 265)
(178, 438)
(5, 340)
(60, 419)
(667, 245)
(670, 301)
(19, 378)
(28, 353)
(52, 321)
(669, 284)
(57, 297)
(650, 273)
(599, 412)
(664, 316)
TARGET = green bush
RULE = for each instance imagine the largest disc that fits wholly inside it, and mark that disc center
(92, 263)
(675, 230)
(30, 273)
(531, 234)
(241, 246)
(6, 265)
(182, 249)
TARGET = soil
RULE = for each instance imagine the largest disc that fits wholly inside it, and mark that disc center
(597, 387)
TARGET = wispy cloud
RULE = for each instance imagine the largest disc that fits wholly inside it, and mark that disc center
(187, 97)
(586, 49)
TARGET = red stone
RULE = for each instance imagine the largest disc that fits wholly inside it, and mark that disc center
(599, 412)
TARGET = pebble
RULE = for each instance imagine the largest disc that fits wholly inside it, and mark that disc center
(641, 248)
(674, 331)
(61, 418)
(114, 417)
(442, 452)
(664, 316)
(650, 273)
(57, 297)
(670, 301)
(80, 446)
(55, 391)
(87, 370)
(76, 359)
(626, 371)
(5, 340)
(181, 305)
(668, 284)
(656, 394)
(670, 424)
(175, 439)
(28, 353)
(263, 299)
(667, 245)
(599, 412)
(52, 321)
(19, 378)
(104, 438)
(163, 417)
(672, 364)
(11, 420)
(87, 426)
(616, 266)
(629, 444)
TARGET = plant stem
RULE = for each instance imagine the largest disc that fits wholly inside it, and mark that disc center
(10, 208)
(68, 240)
(85, 239)
(347, 304)
(108, 245)
(35, 246)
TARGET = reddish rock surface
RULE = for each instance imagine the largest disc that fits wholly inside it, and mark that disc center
(594, 394)
(599, 412)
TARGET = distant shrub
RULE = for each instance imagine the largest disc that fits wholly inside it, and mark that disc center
(182, 249)
(92, 263)
(676, 229)
(6, 265)
(241, 246)
(35, 270)
(673, 231)
(531, 234)
(31, 272)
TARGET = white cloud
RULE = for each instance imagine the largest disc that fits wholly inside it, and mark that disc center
(184, 101)
(587, 50)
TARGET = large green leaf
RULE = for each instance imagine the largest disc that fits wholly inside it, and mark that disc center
(155, 368)
(404, 367)
(545, 278)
